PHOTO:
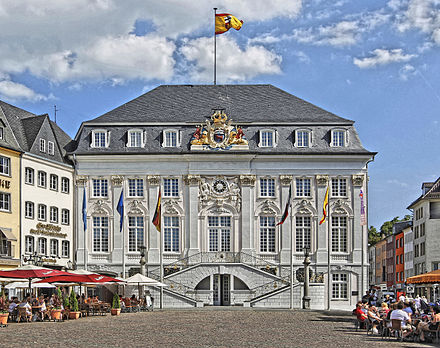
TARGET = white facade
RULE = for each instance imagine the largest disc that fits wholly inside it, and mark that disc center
(47, 216)
(409, 252)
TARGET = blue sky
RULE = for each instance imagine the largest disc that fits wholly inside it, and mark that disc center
(375, 62)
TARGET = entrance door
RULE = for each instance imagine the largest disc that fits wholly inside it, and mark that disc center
(221, 289)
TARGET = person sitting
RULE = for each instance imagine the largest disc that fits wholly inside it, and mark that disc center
(25, 304)
(13, 305)
(407, 308)
(429, 325)
(404, 317)
(360, 315)
(373, 315)
(384, 310)
(43, 308)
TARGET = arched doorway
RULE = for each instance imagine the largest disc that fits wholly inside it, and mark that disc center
(221, 288)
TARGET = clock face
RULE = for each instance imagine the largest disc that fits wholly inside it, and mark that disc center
(220, 186)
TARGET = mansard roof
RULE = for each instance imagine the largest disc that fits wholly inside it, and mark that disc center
(432, 193)
(28, 127)
(242, 103)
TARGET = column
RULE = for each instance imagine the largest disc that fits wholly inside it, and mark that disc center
(153, 241)
(285, 230)
(247, 213)
(192, 230)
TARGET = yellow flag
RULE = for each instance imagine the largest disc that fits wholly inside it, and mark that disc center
(226, 21)
(324, 208)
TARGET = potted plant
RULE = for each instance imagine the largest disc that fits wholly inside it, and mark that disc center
(116, 305)
(4, 314)
(56, 311)
(74, 310)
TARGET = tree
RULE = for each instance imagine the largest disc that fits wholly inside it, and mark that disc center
(373, 235)
(386, 229)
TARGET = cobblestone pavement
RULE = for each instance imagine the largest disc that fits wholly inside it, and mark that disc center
(198, 328)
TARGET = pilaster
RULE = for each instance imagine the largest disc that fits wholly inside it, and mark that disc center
(286, 231)
(153, 241)
(322, 183)
(192, 182)
(118, 250)
(81, 235)
(247, 183)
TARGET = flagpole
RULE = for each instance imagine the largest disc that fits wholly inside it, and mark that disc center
(215, 50)
(329, 258)
(161, 256)
(291, 258)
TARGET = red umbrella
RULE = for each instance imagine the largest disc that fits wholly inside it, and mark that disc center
(80, 278)
(31, 271)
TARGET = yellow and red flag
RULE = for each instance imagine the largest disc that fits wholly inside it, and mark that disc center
(324, 208)
(226, 21)
(157, 214)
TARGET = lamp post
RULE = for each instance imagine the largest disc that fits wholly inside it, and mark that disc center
(34, 259)
(306, 298)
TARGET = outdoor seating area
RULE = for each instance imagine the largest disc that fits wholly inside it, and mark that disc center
(412, 320)
(64, 301)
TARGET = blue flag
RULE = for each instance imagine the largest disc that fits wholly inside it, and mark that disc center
(84, 210)
(120, 210)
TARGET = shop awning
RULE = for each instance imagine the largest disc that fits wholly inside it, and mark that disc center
(431, 277)
(7, 232)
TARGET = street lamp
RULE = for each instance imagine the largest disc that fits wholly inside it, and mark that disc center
(35, 259)
(306, 298)
(142, 261)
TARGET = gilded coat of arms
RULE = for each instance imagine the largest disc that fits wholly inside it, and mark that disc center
(219, 134)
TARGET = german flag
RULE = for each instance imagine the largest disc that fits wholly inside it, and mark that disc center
(157, 214)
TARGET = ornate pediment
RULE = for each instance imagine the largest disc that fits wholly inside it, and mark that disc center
(305, 207)
(219, 190)
(136, 207)
(341, 207)
(100, 207)
(219, 134)
(171, 207)
(268, 207)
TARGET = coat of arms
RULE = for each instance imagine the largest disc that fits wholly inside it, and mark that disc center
(219, 134)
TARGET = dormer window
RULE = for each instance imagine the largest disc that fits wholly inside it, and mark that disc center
(100, 138)
(136, 138)
(50, 148)
(339, 138)
(267, 138)
(303, 138)
(42, 145)
(171, 138)
(1, 132)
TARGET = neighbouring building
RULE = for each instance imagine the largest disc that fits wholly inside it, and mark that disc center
(426, 229)
(409, 251)
(10, 153)
(390, 262)
(399, 254)
(372, 266)
(45, 177)
(381, 264)
(226, 159)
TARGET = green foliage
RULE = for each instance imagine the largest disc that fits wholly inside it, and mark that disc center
(386, 229)
(373, 235)
(66, 302)
(116, 301)
(73, 302)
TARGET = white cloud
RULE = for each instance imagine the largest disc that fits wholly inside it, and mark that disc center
(397, 182)
(233, 63)
(344, 33)
(302, 57)
(13, 91)
(407, 71)
(383, 57)
(423, 15)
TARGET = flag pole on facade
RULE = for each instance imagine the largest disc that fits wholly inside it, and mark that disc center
(215, 46)
(84, 217)
(157, 222)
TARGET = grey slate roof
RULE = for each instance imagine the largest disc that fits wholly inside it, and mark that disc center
(242, 103)
(27, 128)
(432, 193)
(401, 225)
(253, 107)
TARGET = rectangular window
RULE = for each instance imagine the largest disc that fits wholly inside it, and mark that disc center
(267, 138)
(29, 176)
(219, 230)
(135, 232)
(54, 214)
(5, 165)
(170, 138)
(267, 234)
(267, 187)
(42, 145)
(29, 210)
(170, 187)
(401, 277)
(339, 234)
(401, 259)
(397, 259)
(100, 234)
(42, 179)
(338, 138)
(100, 187)
(50, 148)
(339, 187)
(339, 286)
(135, 138)
(397, 276)
(65, 185)
(303, 225)
(5, 201)
(302, 139)
(1, 133)
(42, 212)
(99, 139)
(53, 185)
(65, 248)
(42, 246)
(65, 216)
(29, 245)
(303, 187)
(171, 233)
(135, 187)
(53, 247)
